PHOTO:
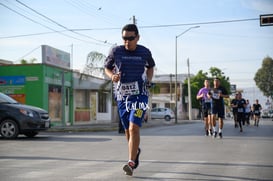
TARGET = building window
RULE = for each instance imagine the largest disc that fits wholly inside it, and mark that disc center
(102, 104)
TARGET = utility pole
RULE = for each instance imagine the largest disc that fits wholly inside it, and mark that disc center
(63, 100)
(189, 91)
(171, 93)
(71, 57)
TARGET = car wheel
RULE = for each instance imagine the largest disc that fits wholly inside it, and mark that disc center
(31, 134)
(9, 129)
(167, 118)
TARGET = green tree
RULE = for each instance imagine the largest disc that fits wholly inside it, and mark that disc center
(197, 82)
(264, 77)
(216, 72)
(23, 61)
(31, 61)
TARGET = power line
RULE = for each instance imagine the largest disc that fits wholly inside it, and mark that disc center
(118, 28)
(27, 17)
(88, 9)
(60, 25)
(36, 22)
(32, 34)
(29, 53)
(201, 23)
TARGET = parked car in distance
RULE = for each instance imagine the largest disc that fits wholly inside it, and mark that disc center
(270, 113)
(267, 114)
(17, 118)
(162, 113)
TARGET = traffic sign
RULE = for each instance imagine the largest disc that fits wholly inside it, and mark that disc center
(266, 20)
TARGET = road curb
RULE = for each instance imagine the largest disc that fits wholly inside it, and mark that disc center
(113, 126)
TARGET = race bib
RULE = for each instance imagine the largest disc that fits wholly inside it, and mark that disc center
(240, 109)
(128, 89)
(216, 95)
(256, 112)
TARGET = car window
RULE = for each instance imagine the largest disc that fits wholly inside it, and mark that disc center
(6, 99)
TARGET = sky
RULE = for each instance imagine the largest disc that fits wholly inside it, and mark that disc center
(229, 37)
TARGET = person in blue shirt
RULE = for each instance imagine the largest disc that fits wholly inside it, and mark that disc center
(131, 67)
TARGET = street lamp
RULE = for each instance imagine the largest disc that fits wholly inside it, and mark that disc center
(176, 37)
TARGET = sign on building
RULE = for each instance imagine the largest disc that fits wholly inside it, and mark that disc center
(55, 57)
(233, 88)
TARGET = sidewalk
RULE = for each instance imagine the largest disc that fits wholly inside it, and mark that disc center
(114, 126)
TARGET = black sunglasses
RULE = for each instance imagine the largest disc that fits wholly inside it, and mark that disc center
(129, 38)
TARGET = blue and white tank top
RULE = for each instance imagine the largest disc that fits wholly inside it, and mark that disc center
(131, 66)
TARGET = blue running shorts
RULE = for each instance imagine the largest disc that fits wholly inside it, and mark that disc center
(132, 109)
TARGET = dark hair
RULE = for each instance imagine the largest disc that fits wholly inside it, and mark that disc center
(130, 27)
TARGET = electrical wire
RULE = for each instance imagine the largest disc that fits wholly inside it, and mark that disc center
(32, 34)
(201, 23)
(151, 26)
(19, 59)
(60, 25)
(36, 22)
(27, 17)
(88, 9)
(45, 26)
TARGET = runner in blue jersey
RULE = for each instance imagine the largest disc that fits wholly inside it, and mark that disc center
(131, 67)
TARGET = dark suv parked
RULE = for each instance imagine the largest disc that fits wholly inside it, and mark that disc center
(16, 118)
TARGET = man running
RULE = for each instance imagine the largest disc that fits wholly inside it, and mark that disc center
(131, 67)
(247, 112)
(241, 111)
(203, 95)
(257, 112)
(218, 107)
(234, 105)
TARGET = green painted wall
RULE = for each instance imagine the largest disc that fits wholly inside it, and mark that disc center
(35, 88)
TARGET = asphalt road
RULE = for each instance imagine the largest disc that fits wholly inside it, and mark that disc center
(169, 152)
